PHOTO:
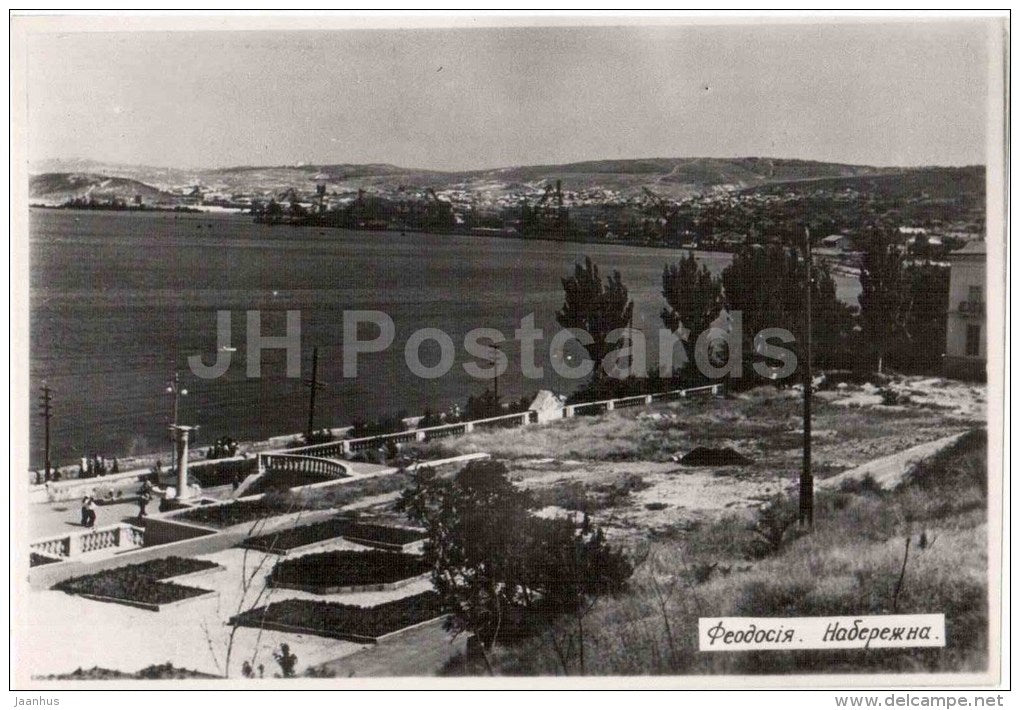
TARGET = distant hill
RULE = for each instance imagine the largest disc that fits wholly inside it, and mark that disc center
(674, 177)
(670, 177)
(57, 188)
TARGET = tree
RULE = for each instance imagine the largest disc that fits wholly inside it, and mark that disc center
(692, 299)
(474, 547)
(500, 570)
(921, 341)
(882, 296)
(766, 284)
(596, 308)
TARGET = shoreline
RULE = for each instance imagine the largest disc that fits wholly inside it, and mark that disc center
(395, 230)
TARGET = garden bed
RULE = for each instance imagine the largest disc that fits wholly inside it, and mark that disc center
(282, 481)
(222, 473)
(347, 570)
(225, 516)
(343, 621)
(369, 534)
(35, 559)
(141, 585)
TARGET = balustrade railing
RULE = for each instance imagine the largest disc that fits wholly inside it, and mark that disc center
(296, 463)
(71, 545)
(346, 447)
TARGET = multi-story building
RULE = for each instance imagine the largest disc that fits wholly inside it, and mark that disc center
(966, 325)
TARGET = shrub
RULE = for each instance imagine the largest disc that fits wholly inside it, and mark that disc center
(773, 527)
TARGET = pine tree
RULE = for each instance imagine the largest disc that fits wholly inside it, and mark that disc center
(597, 308)
(882, 299)
(692, 299)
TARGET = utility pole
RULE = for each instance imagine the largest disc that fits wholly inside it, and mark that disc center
(806, 516)
(45, 413)
(312, 384)
(495, 371)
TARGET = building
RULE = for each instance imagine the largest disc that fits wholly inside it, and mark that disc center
(839, 242)
(966, 324)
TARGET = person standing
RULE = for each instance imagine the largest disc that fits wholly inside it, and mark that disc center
(90, 511)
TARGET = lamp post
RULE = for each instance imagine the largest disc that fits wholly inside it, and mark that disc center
(495, 371)
(174, 388)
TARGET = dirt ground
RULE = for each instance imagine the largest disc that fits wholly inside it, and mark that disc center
(623, 467)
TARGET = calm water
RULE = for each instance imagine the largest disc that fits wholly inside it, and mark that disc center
(119, 301)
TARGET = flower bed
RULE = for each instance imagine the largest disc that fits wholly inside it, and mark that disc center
(343, 621)
(222, 473)
(330, 572)
(224, 516)
(140, 585)
(284, 481)
(36, 560)
(366, 533)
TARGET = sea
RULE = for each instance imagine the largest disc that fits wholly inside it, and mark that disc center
(120, 300)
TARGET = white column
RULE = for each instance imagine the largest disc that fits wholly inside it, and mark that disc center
(182, 462)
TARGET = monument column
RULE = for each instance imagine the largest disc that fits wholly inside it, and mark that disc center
(183, 434)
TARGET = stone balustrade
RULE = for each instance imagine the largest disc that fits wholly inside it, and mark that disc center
(82, 542)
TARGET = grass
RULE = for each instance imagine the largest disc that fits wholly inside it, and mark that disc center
(769, 420)
(575, 495)
(848, 565)
(339, 496)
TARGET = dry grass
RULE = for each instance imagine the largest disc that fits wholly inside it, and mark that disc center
(762, 423)
(848, 565)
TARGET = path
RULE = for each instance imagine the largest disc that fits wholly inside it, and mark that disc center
(419, 652)
(889, 471)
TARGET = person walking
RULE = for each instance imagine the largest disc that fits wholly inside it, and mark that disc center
(85, 512)
(144, 497)
(90, 512)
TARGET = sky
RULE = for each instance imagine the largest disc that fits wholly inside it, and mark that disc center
(863, 93)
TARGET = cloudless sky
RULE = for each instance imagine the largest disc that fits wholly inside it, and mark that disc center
(879, 94)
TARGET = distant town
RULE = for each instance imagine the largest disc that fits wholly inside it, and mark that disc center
(710, 204)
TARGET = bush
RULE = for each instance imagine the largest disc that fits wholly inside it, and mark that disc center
(773, 527)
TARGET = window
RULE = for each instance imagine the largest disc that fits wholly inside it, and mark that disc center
(974, 294)
(973, 340)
